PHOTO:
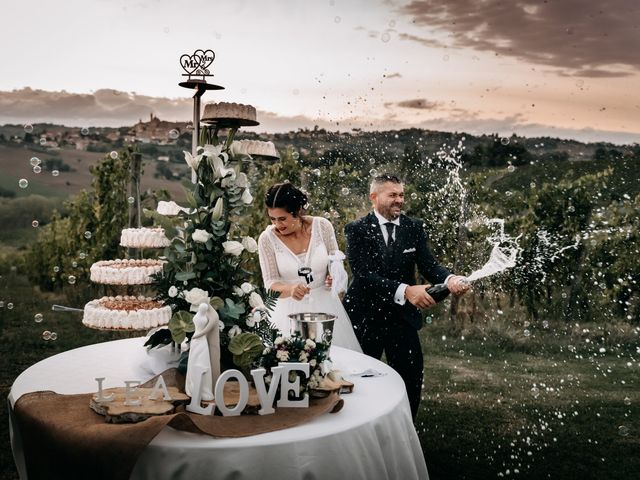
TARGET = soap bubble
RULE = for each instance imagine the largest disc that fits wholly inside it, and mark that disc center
(504, 140)
(38, 318)
(511, 169)
(174, 134)
(53, 337)
(414, 196)
(337, 19)
(10, 306)
(74, 264)
(526, 333)
(326, 215)
(341, 173)
(84, 131)
(23, 183)
(317, 172)
(56, 269)
(373, 172)
(35, 161)
(71, 280)
(43, 141)
(46, 335)
(627, 401)
(35, 224)
(295, 155)
(623, 430)
(28, 128)
(82, 255)
(55, 173)
(131, 200)
(385, 37)
(428, 320)
(535, 392)
(114, 155)
(37, 169)
(87, 235)
(345, 191)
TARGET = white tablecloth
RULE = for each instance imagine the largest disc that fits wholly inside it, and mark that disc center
(372, 437)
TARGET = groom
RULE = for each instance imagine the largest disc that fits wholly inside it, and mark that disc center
(383, 301)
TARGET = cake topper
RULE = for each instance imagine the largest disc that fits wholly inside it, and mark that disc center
(197, 64)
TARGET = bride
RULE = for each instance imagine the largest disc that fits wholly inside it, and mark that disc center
(297, 252)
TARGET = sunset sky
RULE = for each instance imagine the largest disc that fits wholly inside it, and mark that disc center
(566, 68)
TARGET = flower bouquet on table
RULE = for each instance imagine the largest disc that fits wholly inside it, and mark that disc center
(206, 260)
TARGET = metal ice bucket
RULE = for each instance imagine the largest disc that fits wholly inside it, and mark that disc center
(315, 326)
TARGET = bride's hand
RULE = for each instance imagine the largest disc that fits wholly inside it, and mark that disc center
(298, 291)
(328, 281)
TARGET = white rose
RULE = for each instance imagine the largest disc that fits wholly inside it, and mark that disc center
(232, 247)
(282, 355)
(200, 236)
(257, 316)
(266, 351)
(192, 161)
(235, 330)
(303, 357)
(250, 244)
(237, 291)
(212, 150)
(309, 344)
(173, 291)
(195, 297)
(278, 340)
(250, 321)
(246, 197)
(313, 363)
(255, 300)
(246, 287)
(169, 208)
(220, 325)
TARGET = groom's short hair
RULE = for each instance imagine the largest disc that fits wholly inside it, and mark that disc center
(380, 180)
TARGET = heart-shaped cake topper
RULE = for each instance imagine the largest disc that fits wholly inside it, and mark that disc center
(196, 64)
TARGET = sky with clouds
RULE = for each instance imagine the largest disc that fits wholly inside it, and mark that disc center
(566, 68)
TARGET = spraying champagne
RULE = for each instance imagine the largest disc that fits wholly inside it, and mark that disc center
(440, 291)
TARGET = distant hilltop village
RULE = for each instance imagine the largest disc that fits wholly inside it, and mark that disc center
(154, 131)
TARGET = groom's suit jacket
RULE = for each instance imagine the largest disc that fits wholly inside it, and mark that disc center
(379, 270)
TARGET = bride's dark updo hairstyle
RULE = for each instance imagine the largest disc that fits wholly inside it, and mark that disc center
(287, 197)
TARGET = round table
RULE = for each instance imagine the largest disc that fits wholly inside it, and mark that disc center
(372, 437)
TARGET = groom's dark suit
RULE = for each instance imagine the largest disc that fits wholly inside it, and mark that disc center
(379, 322)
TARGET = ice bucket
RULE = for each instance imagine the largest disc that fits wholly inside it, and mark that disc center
(315, 326)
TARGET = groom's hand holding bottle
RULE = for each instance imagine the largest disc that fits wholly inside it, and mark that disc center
(418, 296)
(298, 291)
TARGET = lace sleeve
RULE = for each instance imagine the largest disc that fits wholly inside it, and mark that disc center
(328, 235)
(268, 263)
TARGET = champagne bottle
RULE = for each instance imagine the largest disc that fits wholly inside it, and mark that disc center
(438, 292)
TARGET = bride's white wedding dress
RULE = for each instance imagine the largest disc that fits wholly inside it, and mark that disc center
(279, 264)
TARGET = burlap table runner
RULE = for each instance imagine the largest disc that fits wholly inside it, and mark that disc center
(63, 438)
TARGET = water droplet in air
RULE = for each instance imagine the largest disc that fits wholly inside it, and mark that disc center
(23, 183)
(74, 264)
(82, 255)
(341, 173)
(10, 306)
(38, 318)
(46, 335)
(35, 224)
(71, 280)
(345, 191)
(526, 333)
(87, 235)
(511, 169)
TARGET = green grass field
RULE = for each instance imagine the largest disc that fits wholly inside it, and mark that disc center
(550, 405)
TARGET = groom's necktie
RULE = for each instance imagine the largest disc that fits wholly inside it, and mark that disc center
(390, 240)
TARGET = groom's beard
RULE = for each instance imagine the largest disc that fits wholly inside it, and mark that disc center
(391, 211)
